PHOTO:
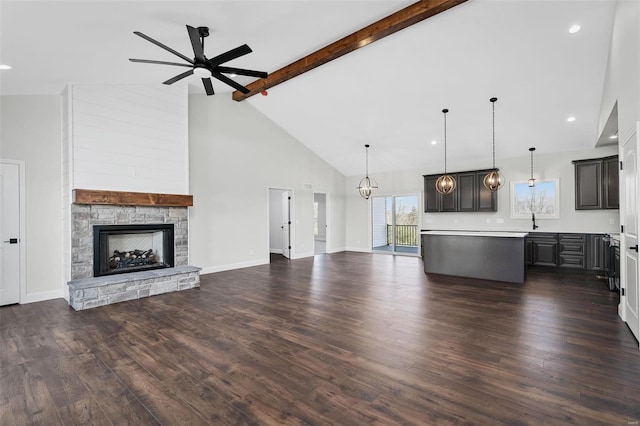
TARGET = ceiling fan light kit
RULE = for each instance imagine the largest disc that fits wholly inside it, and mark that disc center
(493, 180)
(445, 183)
(200, 65)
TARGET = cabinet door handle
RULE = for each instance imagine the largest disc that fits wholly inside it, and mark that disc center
(11, 241)
(634, 248)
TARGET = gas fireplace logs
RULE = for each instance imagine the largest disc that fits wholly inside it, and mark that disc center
(132, 258)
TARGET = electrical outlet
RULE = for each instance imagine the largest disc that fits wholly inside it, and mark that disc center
(612, 221)
(499, 220)
(251, 251)
(488, 220)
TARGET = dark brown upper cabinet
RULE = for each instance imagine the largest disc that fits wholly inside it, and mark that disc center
(597, 183)
(611, 194)
(432, 198)
(467, 192)
(470, 194)
(487, 200)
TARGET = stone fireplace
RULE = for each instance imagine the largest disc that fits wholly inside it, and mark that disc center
(122, 251)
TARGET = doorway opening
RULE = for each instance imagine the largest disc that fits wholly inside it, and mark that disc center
(319, 223)
(395, 224)
(280, 218)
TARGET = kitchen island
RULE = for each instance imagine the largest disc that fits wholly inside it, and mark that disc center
(498, 256)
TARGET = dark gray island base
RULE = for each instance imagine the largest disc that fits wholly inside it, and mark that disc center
(498, 256)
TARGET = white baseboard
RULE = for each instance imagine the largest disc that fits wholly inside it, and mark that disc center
(336, 250)
(231, 266)
(303, 255)
(275, 251)
(358, 249)
(42, 296)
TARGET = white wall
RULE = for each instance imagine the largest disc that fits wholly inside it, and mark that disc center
(31, 133)
(275, 220)
(547, 166)
(622, 79)
(128, 138)
(236, 155)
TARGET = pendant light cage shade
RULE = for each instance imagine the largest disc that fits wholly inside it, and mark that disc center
(367, 185)
(532, 181)
(493, 180)
(445, 183)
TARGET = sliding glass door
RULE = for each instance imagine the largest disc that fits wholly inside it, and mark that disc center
(395, 224)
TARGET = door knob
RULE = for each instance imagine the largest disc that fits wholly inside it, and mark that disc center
(634, 248)
(11, 241)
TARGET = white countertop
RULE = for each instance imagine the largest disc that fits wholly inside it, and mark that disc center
(477, 234)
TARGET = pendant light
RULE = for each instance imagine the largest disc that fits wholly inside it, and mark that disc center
(367, 185)
(493, 180)
(445, 183)
(532, 181)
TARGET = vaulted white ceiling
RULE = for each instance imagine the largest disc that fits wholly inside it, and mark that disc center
(389, 94)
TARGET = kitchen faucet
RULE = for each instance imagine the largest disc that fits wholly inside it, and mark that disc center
(533, 219)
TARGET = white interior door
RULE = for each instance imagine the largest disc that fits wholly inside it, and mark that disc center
(630, 235)
(9, 233)
(286, 224)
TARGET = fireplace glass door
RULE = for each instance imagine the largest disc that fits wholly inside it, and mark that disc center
(130, 248)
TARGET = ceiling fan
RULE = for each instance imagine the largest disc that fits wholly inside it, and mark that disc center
(200, 65)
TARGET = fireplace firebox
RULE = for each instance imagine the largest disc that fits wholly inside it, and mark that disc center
(121, 249)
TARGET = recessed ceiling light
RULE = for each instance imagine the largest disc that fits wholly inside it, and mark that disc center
(570, 119)
(613, 137)
(5, 67)
(574, 29)
(434, 142)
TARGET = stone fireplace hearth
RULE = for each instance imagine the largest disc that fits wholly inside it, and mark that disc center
(86, 290)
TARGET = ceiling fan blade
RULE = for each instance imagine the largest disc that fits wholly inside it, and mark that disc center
(149, 61)
(227, 80)
(167, 48)
(231, 54)
(178, 77)
(194, 35)
(208, 87)
(240, 71)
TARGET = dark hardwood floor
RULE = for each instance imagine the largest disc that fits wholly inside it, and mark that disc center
(345, 338)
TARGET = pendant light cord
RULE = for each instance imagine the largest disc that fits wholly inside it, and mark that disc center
(445, 111)
(367, 161)
(493, 108)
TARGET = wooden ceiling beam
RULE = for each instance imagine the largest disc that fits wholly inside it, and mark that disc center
(395, 22)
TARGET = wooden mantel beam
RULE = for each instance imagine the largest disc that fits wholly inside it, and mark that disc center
(395, 22)
(119, 198)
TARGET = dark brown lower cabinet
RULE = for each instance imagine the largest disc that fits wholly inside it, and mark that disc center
(567, 250)
(597, 249)
(572, 251)
(542, 249)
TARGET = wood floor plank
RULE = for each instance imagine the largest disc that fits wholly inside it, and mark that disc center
(112, 395)
(344, 338)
